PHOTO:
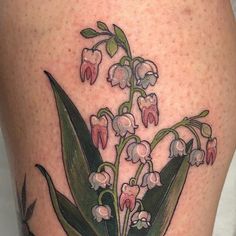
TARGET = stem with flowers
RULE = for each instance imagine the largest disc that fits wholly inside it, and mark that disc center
(88, 175)
(136, 74)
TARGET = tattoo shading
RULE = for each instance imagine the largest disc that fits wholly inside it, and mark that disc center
(98, 201)
(25, 213)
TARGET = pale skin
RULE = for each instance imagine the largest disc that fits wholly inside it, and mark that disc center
(193, 45)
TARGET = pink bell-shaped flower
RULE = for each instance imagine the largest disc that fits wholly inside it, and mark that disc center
(101, 212)
(151, 180)
(196, 157)
(139, 152)
(99, 179)
(177, 148)
(123, 124)
(146, 73)
(119, 75)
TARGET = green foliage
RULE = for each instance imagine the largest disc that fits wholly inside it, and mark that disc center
(102, 26)
(121, 37)
(161, 202)
(25, 213)
(68, 214)
(111, 47)
(89, 33)
(80, 158)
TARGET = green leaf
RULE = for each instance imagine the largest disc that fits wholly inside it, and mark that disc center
(162, 201)
(89, 33)
(111, 46)
(30, 211)
(79, 155)
(102, 26)
(69, 216)
(91, 153)
(80, 158)
(21, 216)
(23, 197)
(120, 35)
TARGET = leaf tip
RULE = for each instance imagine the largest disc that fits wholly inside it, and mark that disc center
(189, 145)
(41, 169)
(48, 75)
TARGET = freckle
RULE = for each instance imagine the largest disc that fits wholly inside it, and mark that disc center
(187, 11)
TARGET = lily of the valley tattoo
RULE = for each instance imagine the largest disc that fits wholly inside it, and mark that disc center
(98, 201)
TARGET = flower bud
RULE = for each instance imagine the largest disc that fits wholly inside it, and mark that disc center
(206, 130)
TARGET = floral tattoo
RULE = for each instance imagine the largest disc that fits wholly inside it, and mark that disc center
(98, 200)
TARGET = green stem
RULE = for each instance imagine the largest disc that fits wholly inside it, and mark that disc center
(140, 59)
(95, 46)
(162, 133)
(108, 164)
(127, 213)
(150, 166)
(133, 136)
(106, 33)
(140, 203)
(124, 59)
(141, 91)
(123, 141)
(139, 171)
(122, 106)
(102, 194)
(193, 131)
(105, 111)
(115, 182)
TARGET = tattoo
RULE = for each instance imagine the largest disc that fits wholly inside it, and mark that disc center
(98, 201)
(24, 213)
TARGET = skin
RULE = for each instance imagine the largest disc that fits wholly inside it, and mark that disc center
(193, 45)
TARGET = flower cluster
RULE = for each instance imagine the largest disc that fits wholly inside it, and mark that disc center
(136, 74)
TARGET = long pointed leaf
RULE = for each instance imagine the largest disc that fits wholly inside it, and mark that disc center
(30, 211)
(23, 197)
(66, 226)
(81, 158)
(161, 201)
(90, 151)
